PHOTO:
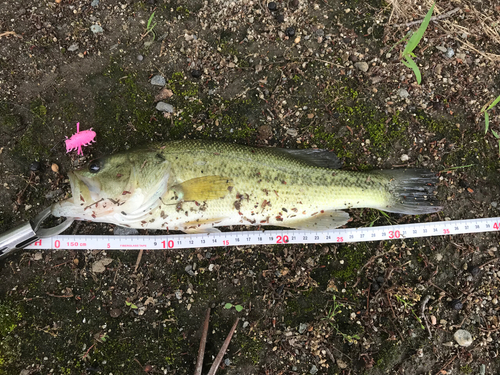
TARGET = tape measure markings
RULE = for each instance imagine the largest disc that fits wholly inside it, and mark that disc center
(265, 237)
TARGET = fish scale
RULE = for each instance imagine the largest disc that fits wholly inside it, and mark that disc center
(195, 186)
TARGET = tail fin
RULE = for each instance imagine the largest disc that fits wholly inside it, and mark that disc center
(413, 191)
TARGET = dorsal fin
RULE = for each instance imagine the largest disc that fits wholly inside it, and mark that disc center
(315, 157)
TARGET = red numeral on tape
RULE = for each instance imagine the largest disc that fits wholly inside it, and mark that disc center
(282, 239)
(169, 244)
(394, 234)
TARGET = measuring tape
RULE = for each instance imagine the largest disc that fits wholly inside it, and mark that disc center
(184, 241)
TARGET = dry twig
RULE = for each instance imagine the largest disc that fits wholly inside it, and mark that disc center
(203, 342)
(433, 18)
(222, 351)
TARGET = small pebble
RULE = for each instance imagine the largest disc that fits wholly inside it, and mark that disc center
(361, 65)
(227, 361)
(73, 47)
(342, 365)
(280, 18)
(456, 304)
(189, 270)
(290, 31)
(494, 204)
(302, 327)
(140, 57)
(158, 80)
(403, 93)
(96, 29)
(178, 294)
(94, 3)
(55, 168)
(272, 6)
(195, 73)
(442, 49)
(474, 271)
(313, 370)
(404, 158)
(320, 32)
(165, 107)
(35, 166)
(115, 313)
(450, 53)
(463, 337)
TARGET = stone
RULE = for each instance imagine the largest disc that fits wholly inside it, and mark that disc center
(96, 29)
(361, 65)
(158, 80)
(165, 107)
(403, 93)
(115, 313)
(463, 337)
(342, 365)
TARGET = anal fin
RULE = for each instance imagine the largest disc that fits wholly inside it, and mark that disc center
(202, 230)
(202, 226)
(325, 221)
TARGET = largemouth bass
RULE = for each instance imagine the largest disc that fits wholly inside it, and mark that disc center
(196, 186)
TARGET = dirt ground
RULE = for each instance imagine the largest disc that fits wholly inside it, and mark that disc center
(302, 74)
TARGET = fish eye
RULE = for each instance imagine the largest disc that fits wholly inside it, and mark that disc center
(94, 167)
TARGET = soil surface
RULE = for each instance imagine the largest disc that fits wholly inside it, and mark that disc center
(292, 74)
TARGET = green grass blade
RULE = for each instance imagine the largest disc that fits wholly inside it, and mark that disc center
(497, 136)
(486, 122)
(411, 64)
(150, 20)
(494, 103)
(415, 38)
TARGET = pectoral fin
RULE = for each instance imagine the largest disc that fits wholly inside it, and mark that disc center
(204, 188)
(325, 221)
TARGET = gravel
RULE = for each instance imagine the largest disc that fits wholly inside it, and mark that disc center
(157, 80)
(463, 337)
(164, 107)
(361, 65)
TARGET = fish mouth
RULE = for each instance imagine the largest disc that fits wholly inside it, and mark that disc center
(81, 198)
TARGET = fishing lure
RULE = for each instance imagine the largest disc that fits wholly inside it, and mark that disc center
(79, 139)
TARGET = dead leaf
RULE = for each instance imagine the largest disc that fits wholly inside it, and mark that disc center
(163, 94)
(100, 266)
